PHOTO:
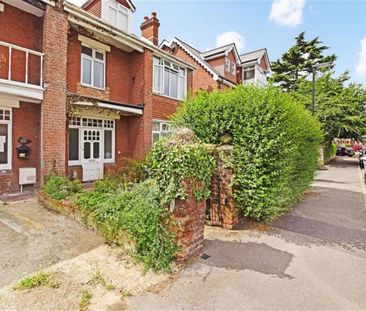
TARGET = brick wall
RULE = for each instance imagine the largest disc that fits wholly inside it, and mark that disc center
(53, 120)
(219, 65)
(190, 218)
(95, 8)
(26, 123)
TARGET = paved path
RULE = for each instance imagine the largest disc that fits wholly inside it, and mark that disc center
(312, 258)
(33, 238)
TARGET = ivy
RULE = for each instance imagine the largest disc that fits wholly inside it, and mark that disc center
(173, 161)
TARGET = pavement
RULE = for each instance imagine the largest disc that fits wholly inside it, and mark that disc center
(33, 238)
(313, 258)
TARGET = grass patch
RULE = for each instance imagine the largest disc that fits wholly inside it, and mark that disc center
(38, 279)
(85, 298)
(98, 278)
(125, 293)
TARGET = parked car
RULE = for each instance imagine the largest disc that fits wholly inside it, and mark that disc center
(357, 147)
(362, 157)
(350, 152)
(341, 150)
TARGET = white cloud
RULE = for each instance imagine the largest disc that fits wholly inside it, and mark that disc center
(231, 37)
(361, 64)
(287, 12)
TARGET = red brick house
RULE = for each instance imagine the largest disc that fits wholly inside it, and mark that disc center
(221, 67)
(79, 93)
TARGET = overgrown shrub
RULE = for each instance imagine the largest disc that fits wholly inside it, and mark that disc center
(330, 150)
(175, 159)
(137, 212)
(275, 144)
(59, 187)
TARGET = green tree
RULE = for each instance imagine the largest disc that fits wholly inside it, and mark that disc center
(296, 64)
(340, 108)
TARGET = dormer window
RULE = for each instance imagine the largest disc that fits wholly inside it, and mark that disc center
(116, 14)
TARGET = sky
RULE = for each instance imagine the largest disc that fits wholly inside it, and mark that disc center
(272, 24)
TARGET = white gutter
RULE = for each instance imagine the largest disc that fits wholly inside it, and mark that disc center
(87, 20)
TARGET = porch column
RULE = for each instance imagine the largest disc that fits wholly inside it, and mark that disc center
(53, 115)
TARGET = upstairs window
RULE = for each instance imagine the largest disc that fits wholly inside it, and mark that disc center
(227, 64)
(233, 68)
(169, 79)
(116, 14)
(92, 67)
(249, 73)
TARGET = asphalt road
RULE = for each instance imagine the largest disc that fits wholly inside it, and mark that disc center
(312, 258)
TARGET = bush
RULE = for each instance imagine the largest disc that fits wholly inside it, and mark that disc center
(59, 187)
(275, 142)
(138, 213)
(330, 150)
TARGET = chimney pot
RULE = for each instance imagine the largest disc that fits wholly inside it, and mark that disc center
(150, 28)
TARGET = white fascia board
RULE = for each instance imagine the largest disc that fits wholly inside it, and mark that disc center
(49, 2)
(215, 76)
(26, 7)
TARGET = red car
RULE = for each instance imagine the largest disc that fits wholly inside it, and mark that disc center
(357, 147)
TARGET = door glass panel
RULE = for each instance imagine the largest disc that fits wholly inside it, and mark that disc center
(107, 144)
(96, 150)
(73, 144)
(4, 142)
(86, 150)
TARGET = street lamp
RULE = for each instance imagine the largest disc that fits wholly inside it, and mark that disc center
(315, 67)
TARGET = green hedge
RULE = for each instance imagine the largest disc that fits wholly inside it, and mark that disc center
(275, 142)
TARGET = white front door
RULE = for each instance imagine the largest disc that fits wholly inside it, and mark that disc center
(92, 154)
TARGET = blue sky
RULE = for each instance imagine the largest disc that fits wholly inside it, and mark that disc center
(341, 25)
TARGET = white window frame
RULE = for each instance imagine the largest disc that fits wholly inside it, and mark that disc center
(249, 68)
(227, 64)
(160, 131)
(233, 68)
(9, 123)
(81, 126)
(120, 9)
(93, 60)
(160, 65)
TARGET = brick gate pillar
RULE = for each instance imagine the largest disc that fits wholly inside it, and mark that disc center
(223, 211)
(189, 215)
(53, 114)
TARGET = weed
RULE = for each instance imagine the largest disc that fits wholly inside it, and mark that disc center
(38, 279)
(125, 293)
(85, 298)
(98, 278)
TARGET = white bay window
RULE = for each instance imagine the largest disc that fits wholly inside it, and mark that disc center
(169, 79)
(116, 14)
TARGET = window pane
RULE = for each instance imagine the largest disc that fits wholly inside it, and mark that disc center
(86, 71)
(4, 144)
(166, 81)
(98, 75)
(96, 150)
(156, 126)
(249, 74)
(86, 51)
(182, 88)
(158, 71)
(156, 137)
(86, 150)
(122, 21)
(107, 144)
(112, 16)
(99, 55)
(73, 144)
(174, 84)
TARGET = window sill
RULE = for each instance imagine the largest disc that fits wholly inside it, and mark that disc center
(165, 96)
(93, 87)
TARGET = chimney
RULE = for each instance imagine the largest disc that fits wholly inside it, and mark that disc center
(150, 28)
